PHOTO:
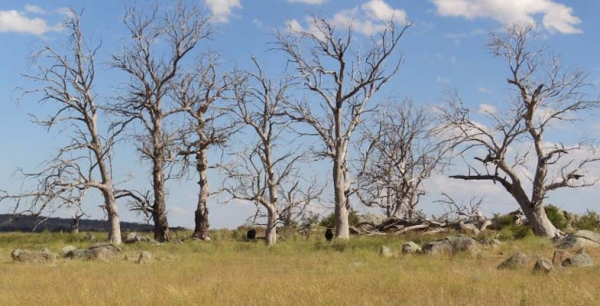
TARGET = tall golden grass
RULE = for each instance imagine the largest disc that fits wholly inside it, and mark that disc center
(297, 271)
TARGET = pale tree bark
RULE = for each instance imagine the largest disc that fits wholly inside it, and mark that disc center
(398, 153)
(341, 77)
(67, 77)
(201, 94)
(264, 166)
(546, 93)
(160, 39)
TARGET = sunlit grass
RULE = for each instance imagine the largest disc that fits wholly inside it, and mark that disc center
(297, 271)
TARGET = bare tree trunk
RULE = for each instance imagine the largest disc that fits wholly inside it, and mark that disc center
(539, 222)
(271, 233)
(114, 232)
(159, 214)
(201, 215)
(342, 226)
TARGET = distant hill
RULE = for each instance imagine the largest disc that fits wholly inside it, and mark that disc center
(15, 223)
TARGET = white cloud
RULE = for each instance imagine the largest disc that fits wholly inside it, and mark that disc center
(367, 19)
(443, 80)
(487, 109)
(17, 22)
(34, 9)
(483, 89)
(222, 10)
(556, 17)
(312, 2)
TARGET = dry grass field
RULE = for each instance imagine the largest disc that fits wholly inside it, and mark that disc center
(297, 271)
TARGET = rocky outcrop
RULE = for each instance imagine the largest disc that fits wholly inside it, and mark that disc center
(452, 245)
(411, 248)
(98, 251)
(26, 256)
(581, 259)
(580, 239)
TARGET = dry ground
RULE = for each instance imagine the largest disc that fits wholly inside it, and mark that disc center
(298, 271)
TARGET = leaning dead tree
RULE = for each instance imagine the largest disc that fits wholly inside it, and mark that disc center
(546, 93)
(398, 153)
(160, 39)
(340, 76)
(66, 76)
(264, 166)
(201, 95)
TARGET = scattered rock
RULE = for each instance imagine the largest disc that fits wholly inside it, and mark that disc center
(65, 250)
(78, 254)
(452, 245)
(411, 248)
(89, 236)
(24, 256)
(385, 252)
(579, 260)
(516, 261)
(134, 237)
(464, 244)
(105, 245)
(144, 257)
(98, 251)
(560, 256)
(438, 247)
(543, 265)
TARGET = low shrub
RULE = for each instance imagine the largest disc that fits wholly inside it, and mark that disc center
(556, 216)
(589, 221)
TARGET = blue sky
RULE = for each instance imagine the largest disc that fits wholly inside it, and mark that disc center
(443, 51)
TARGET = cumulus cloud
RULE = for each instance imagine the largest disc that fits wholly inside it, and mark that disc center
(556, 17)
(222, 10)
(17, 22)
(312, 2)
(367, 19)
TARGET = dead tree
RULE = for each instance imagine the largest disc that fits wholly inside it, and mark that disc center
(200, 94)
(67, 77)
(340, 77)
(75, 222)
(398, 152)
(546, 93)
(160, 39)
(264, 166)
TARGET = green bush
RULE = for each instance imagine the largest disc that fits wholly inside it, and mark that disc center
(555, 215)
(588, 221)
(329, 220)
(507, 229)
(515, 232)
(503, 221)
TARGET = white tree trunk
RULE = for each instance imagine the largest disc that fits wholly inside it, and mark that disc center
(271, 232)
